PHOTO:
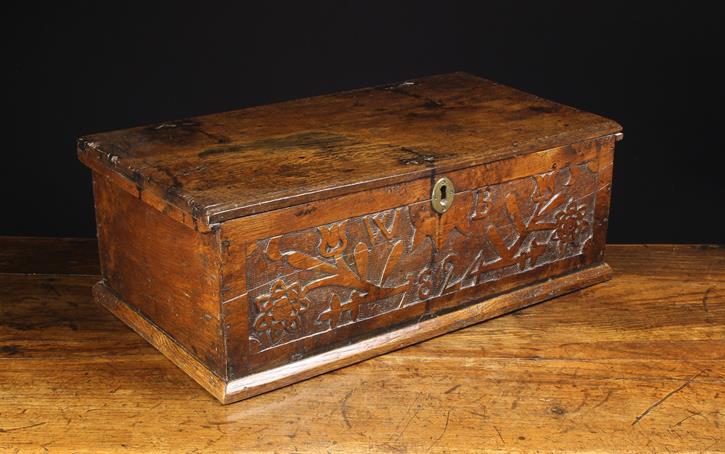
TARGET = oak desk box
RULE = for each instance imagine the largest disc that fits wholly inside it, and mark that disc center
(260, 247)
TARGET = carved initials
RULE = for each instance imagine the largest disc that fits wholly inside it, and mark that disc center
(338, 274)
(379, 220)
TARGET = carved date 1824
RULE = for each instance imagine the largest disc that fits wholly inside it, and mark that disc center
(315, 280)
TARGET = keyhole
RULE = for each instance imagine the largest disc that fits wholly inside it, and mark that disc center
(441, 195)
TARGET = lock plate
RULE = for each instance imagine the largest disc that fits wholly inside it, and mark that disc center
(442, 196)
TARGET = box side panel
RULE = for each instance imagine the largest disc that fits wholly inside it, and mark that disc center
(163, 269)
(326, 274)
(605, 163)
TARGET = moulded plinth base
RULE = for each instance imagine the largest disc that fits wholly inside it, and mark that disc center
(268, 380)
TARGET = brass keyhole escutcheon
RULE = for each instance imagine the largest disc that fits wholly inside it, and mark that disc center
(442, 195)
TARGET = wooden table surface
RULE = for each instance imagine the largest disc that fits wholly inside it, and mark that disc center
(634, 364)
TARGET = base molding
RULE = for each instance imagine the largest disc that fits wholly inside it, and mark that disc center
(287, 374)
(164, 343)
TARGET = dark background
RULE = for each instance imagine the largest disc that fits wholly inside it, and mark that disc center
(89, 67)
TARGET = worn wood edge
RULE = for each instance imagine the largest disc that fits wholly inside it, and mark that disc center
(205, 219)
(162, 341)
(217, 214)
(288, 374)
(147, 193)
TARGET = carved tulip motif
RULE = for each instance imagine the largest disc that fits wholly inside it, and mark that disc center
(352, 271)
(333, 239)
(280, 310)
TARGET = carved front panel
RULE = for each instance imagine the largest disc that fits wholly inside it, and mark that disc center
(308, 282)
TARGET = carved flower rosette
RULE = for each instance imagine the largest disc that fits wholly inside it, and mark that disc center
(340, 274)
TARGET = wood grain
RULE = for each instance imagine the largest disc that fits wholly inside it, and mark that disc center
(250, 240)
(408, 335)
(63, 255)
(634, 364)
(385, 258)
(163, 269)
(210, 169)
(163, 342)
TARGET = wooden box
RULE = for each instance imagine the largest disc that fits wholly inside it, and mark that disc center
(260, 247)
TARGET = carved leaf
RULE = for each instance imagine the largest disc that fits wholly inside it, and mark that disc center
(498, 243)
(393, 258)
(360, 284)
(361, 259)
(513, 208)
(424, 225)
(551, 205)
(306, 262)
(273, 249)
(457, 218)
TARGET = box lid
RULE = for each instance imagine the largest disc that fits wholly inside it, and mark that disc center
(213, 168)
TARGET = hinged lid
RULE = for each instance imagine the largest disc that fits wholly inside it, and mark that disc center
(223, 166)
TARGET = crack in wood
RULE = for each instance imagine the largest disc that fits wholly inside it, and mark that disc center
(667, 396)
